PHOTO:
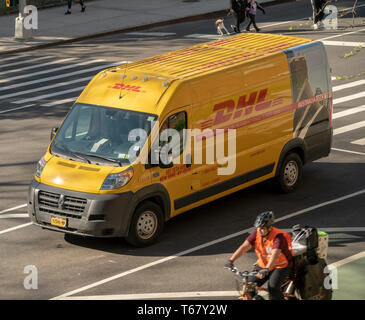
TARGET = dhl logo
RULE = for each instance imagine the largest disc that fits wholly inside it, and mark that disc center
(121, 86)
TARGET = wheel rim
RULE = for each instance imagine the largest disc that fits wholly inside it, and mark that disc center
(291, 173)
(147, 225)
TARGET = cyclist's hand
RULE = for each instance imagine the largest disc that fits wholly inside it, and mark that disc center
(262, 273)
(229, 264)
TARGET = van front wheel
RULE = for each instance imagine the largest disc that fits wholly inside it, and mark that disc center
(290, 173)
(146, 225)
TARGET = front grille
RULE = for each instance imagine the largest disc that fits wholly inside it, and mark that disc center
(67, 206)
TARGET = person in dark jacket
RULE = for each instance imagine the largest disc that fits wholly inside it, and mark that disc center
(69, 4)
(318, 14)
(251, 9)
(238, 8)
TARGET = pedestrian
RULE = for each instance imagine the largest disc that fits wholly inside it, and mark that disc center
(318, 11)
(238, 8)
(251, 9)
(69, 4)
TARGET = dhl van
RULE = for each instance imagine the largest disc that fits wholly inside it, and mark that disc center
(274, 91)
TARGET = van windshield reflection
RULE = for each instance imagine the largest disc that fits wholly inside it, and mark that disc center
(96, 134)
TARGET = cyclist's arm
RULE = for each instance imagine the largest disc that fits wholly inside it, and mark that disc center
(275, 254)
(241, 251)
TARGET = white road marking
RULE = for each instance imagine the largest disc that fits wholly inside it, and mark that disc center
(18, 108)
(349, 151)
(50, 95)
(57, 102)
(56, 85)
(343, 43)
(341, 35)
(333, 230)
(14, 216)
(38, 65)
(23, 61)
(13, 208)
(360, 142)
(349, 127)
(70, 66)
(63, 75)
(16, 228)
(340, 263)
(208, 244)
(204, 36)
(348, 85)
(11, 58)
(152, 34)
(348, 112)
(349, 98)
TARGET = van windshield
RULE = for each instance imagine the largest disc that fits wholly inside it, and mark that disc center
(97, 134)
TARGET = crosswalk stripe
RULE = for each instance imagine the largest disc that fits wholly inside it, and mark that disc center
(56, 85)
(348, 112)
(360, 142)
(10, 58)
(348, 85)
(349, 127)
(63, 75)
(152, 34)
(348, 98)
(38, 65)
(204, 36)
(57, 102)
(24, 61)
(343, 43)
(18, 108)
(47, 71)
(55, 94)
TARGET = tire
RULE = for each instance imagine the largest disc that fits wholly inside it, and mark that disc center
(146, 225)
(290, 173)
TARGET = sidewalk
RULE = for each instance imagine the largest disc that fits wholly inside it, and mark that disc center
(104, 16)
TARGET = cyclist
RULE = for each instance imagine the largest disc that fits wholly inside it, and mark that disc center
(273, 249)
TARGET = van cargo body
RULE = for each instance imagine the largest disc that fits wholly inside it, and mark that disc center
(274, 91)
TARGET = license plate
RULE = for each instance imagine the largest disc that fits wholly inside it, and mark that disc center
(58, 222)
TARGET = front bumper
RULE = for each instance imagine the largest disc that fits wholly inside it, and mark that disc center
(87, 214)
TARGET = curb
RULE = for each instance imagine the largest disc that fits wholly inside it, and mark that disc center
(203, 16)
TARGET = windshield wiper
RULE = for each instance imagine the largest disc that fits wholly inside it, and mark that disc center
(101, 157)
(62, 146)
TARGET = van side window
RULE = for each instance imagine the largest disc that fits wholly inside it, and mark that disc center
(178, 122)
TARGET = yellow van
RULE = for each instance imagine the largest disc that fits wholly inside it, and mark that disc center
(272, 92)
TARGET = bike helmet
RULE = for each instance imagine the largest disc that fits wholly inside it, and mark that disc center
(264, 219)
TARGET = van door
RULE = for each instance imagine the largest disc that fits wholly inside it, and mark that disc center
(177, 178)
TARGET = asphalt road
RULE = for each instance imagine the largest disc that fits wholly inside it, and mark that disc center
(36, 90)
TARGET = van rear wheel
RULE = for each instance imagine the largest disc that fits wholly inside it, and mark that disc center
(146, 225)
(290, 173)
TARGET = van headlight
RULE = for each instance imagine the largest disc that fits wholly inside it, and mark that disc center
(40, 166)
(117, 180)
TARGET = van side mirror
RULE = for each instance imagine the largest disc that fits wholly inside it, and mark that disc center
(53, 133)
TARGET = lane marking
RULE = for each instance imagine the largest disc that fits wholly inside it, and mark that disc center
(152, 34)
(349, 127)
(54, 103)
(341, 35)
(16, 228)
(48, 71)
(207, 244)
(333, 230)
(205, 36)
(349, 98)
(24, 61)
(348, 112)
(18, 108)
(340, 263)
(49, 95)
(64, 75)
(360, 142)
(348, 85)
(349, 151)
(38, 65)
(343, 43)
(56, 85)
(14, 208)
(199, 294)
(14, 216)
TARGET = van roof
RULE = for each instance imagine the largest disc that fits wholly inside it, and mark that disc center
(206, 57)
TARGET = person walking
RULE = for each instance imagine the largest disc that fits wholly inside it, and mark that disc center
(251, 9)
(69, 4)
(238, 8)
(318, 12)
